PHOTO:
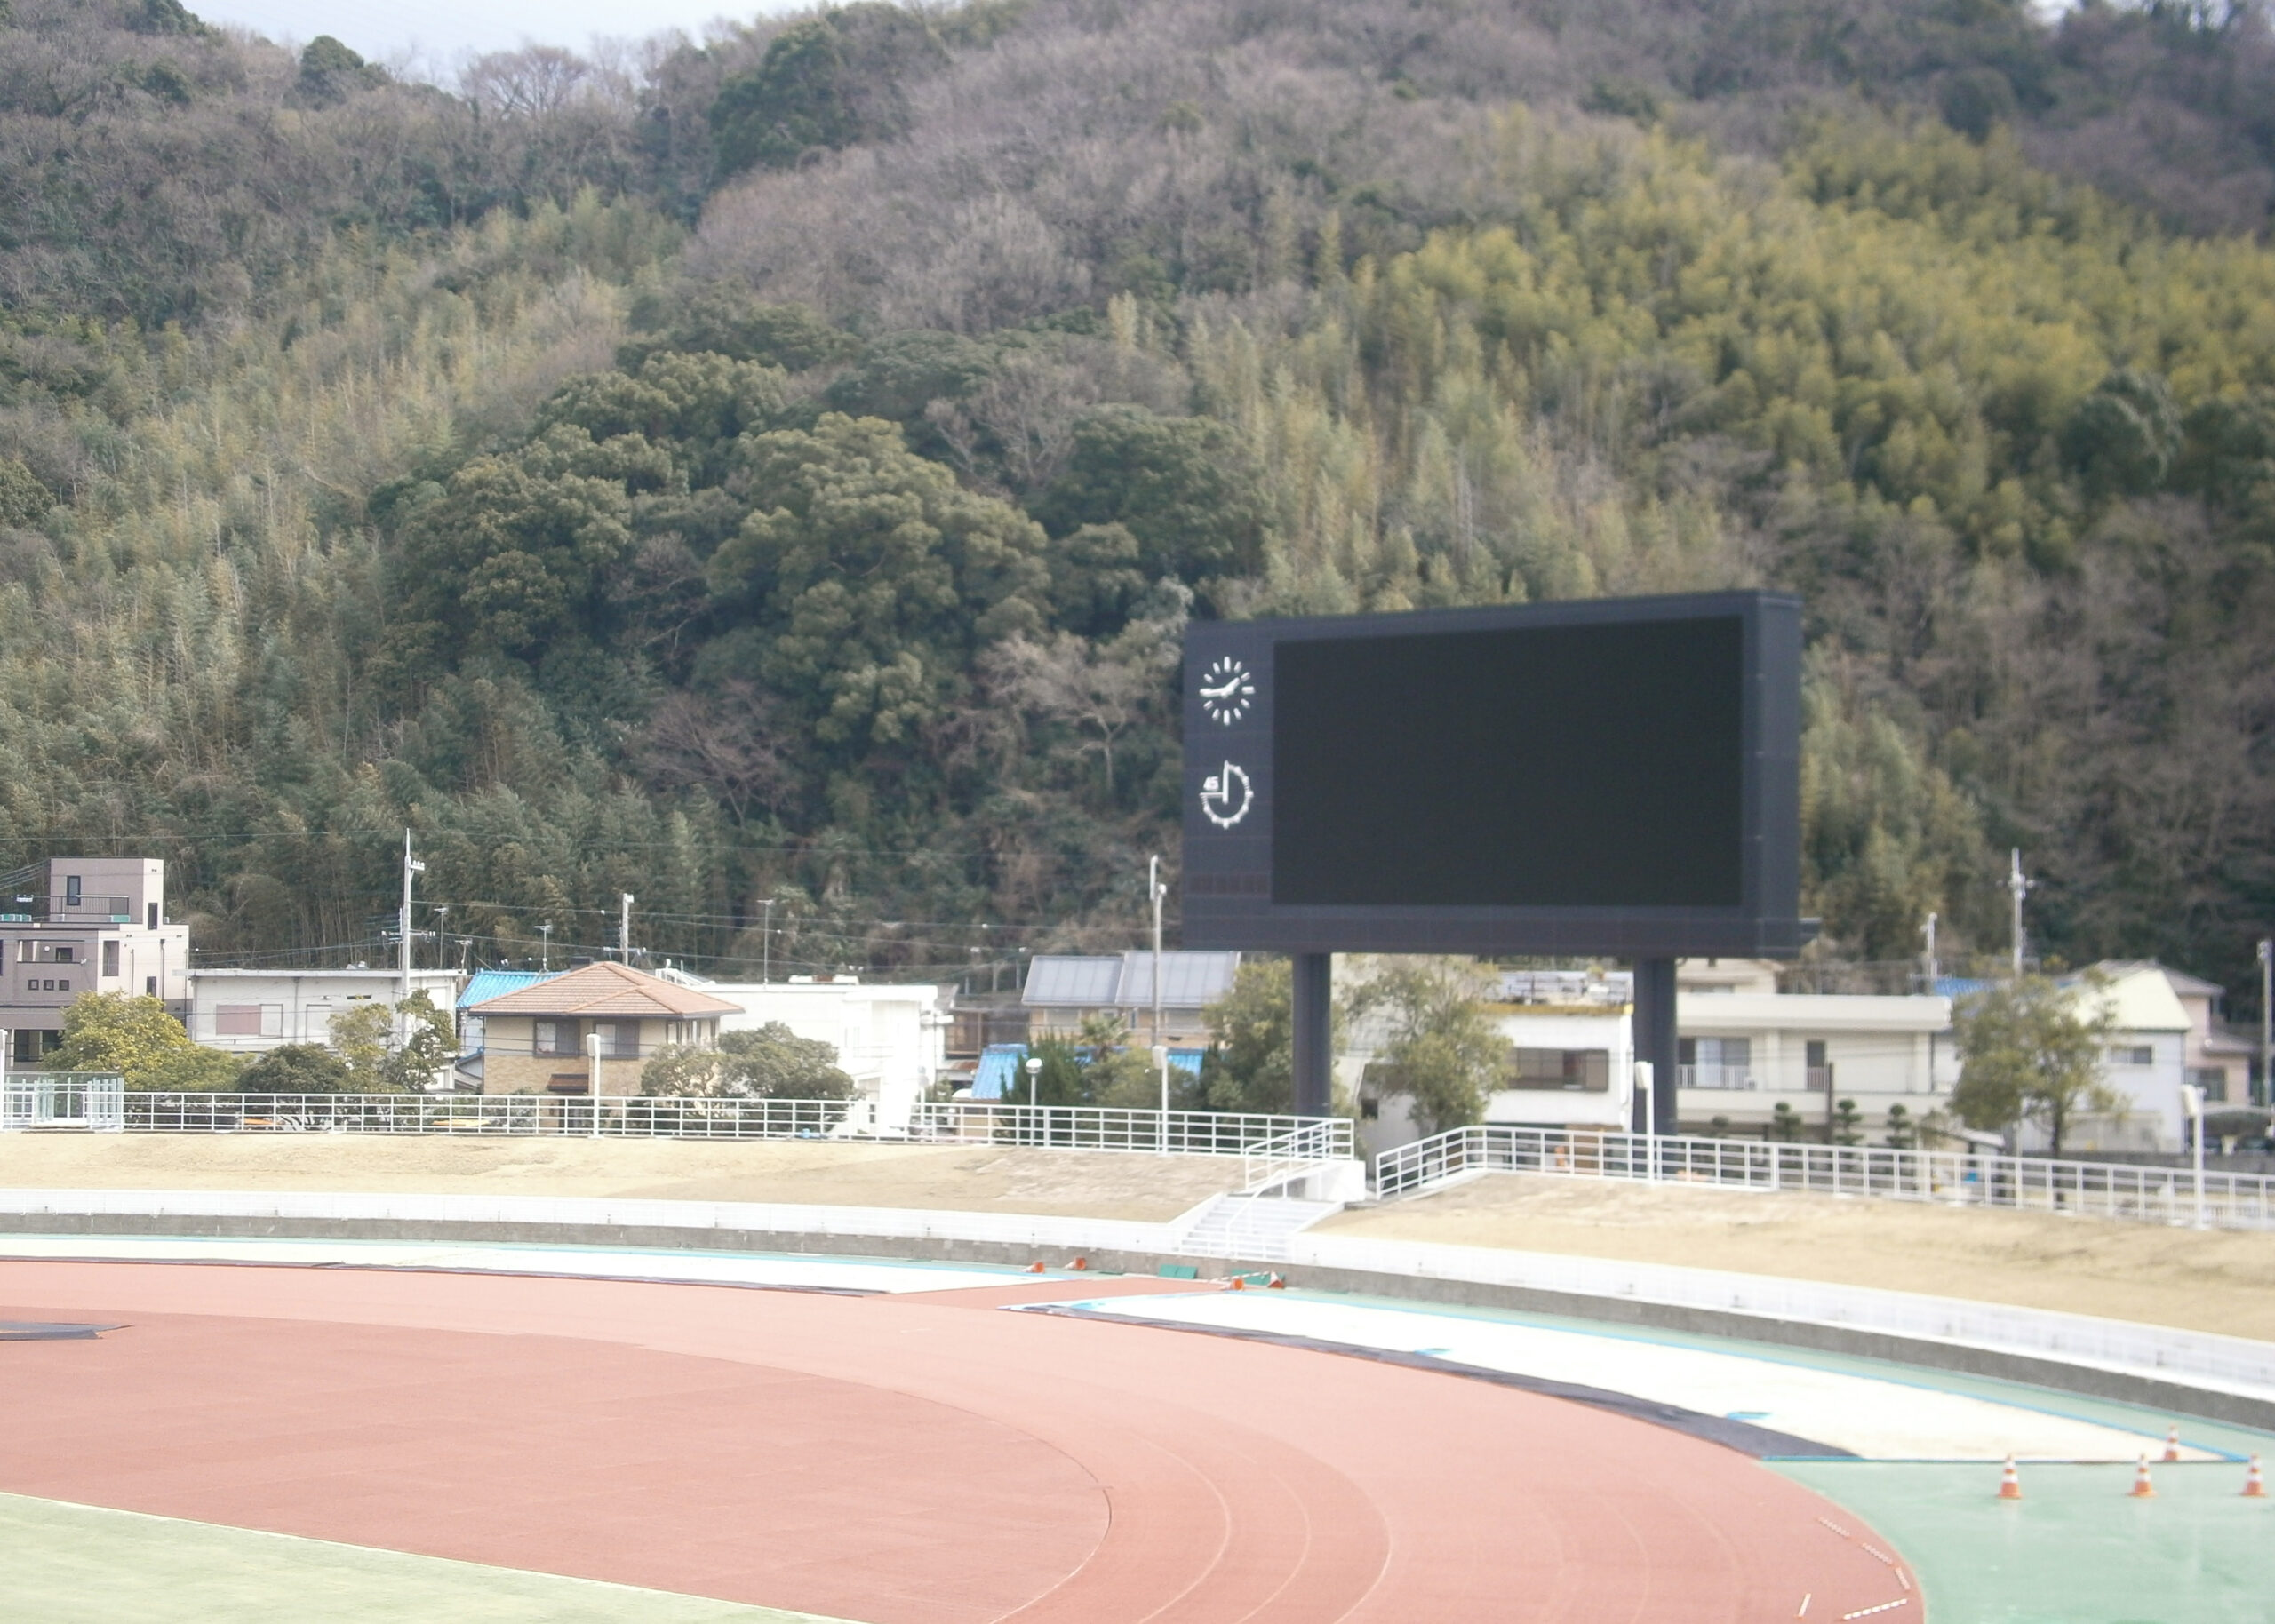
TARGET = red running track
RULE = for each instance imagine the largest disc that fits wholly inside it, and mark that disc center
(909, 1460)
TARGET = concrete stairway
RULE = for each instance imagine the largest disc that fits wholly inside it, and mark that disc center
(1253, 1227)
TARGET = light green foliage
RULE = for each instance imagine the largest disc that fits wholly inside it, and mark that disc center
(1442, 1053)
(1888, 838)
(2031, 1051)
(393, 1049)
(194, 1069)
(23, 499)
(118, 1031)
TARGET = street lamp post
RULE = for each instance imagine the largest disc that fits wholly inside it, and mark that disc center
(2191, 1099)
(1156, 891)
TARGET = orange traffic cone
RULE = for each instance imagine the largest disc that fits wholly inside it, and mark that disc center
(2255, 1487)
(2143, 1489)
(1278, 1284)
(1035, 1268)
(2010, 1483)
(1080, 1263)
(2172, 1444)
(1240, 1283)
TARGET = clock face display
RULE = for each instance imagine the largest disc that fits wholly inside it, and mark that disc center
(1228, 691)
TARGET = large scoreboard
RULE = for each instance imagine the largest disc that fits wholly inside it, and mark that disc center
(1616, 777)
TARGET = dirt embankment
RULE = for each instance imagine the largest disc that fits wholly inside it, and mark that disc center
(1075, 1184)
(2219, 1281)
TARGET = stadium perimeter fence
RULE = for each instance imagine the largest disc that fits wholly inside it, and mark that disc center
(2028, 1183)
(1260, 1137)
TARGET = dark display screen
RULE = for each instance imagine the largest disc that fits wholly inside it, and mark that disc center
(1563, 766)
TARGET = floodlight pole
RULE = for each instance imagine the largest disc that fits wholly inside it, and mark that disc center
(1654, 1028)
(1928, 930)
(624, 927)
(1312, 1016)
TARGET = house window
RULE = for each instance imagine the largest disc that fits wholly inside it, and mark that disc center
(2213, 1081)
(153, 915)
(73, 889)
(236, 1021)
(1715, 1062)
(110, 957)
(2132, 1055)
(556, 1037)
(1581, 1071)
(620, 1039)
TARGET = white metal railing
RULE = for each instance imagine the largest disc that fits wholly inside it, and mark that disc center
(1274, 1161)
(1091, 1128)
(1075, 1128)
(2099, 1190)
(1736, 1078)
(89, 1100)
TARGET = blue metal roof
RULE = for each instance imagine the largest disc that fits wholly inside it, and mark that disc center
(999, 1069)
(483, 985)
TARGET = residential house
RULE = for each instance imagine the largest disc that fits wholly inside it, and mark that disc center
(75, 924)
(598, 1025)
(2218, 1058)
(1065, 990)
(248, 1011)
(2145, 1060)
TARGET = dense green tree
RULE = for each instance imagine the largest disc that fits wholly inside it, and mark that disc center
(826, 82)
(298, 1068)
(871, 577)
(1441, 1053)
(2032, 1051)
(23, 499)
(1248, 1066)
(1186, 489)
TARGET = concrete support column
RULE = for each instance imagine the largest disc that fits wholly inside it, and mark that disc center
(1655, 1040)
(1314, 1040)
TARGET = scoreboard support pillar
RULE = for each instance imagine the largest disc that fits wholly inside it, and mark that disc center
(1654, 1027)
(1312, 1016)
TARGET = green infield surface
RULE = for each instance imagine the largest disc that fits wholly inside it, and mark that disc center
(2076, 1550)
(62, 1563)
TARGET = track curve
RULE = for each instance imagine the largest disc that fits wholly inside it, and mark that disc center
(924, 1458)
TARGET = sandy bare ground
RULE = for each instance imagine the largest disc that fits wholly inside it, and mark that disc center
(1075, 1184)
(2218, 1280)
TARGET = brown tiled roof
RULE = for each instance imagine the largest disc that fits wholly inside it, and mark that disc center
(606, 992)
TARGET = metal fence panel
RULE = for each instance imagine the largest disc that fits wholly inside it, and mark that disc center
(2027, 1184)
(1276, 1140)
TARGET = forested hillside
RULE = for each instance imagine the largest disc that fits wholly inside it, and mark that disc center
(781, 469)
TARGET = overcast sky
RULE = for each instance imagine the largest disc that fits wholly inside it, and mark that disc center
(441, 32)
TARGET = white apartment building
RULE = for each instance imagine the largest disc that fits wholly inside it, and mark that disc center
(248, 1011)
(890, 1038)
(75, 924)
(1745, 1049)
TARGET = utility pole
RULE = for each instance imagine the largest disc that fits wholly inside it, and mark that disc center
(624, 927)
(2266, 1021)
(1155, 890)
(2017, 887)
(765, 941)
(410, 865)
(545, 948)
(1928, 930)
